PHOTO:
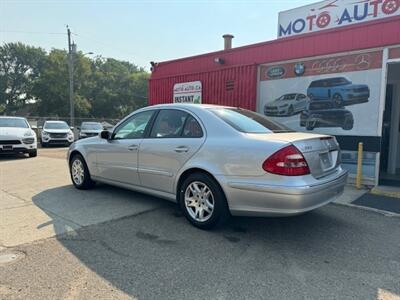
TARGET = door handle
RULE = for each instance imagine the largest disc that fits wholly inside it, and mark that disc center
(181, 149)
(133, 147)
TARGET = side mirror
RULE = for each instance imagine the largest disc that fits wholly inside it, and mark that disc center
(105, 134)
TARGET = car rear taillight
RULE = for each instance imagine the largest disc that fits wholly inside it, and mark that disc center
(287, 161)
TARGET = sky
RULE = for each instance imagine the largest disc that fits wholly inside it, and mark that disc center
(141, 31)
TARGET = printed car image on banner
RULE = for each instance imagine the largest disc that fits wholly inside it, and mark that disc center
(337, 95)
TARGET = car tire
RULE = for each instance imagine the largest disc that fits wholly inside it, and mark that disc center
(79, 172)
(201, 197)
(348, 123)
(338, 100)
(32, 153)
(290, 110)
(310, 124)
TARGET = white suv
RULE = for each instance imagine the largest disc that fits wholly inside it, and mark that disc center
(56, 133)
(17, 136)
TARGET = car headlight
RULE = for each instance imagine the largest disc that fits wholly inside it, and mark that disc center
(45, 133)
(28, 133)
(70, 134)
(30, 140)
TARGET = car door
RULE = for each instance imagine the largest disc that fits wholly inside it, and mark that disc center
(174, 138)
(117, 158)
(301, 102)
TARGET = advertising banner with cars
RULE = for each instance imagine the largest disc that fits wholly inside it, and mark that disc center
(187, 92)
(335, 95)
(330, 14)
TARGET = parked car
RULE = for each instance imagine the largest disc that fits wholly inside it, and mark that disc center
(325, 114)
(286, 105)
(89, 129)
(56, 133)
(214, 161)
(17, 136)
(339, 90)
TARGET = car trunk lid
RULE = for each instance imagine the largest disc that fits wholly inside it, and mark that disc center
(321, 152)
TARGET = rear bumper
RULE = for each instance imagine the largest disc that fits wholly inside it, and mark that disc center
(249, 199)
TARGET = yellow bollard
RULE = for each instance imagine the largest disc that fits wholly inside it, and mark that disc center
(359, 165)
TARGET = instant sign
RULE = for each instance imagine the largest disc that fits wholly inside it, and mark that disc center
(187, 92)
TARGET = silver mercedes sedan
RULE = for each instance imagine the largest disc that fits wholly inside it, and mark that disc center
(214, 161)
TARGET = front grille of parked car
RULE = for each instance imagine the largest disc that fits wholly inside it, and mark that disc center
(58, 135)
(10, 142)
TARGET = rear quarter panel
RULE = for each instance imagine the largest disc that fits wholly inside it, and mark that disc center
(233, 156)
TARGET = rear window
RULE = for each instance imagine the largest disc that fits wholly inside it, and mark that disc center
(248, 121)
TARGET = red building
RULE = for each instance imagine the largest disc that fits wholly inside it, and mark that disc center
(356, 65)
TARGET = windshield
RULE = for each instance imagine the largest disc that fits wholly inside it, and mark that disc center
(11, 122)
(58, 125)
(248, 121)
(91, 126)
(287, 97)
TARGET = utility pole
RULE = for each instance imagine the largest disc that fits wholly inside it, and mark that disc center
(71, 52)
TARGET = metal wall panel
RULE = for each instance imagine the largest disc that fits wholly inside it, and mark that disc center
(214, 89)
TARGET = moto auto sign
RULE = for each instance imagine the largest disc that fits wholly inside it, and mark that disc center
(330, 14)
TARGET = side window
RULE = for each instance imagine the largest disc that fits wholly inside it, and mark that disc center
(134, 127)
(192, 128)
(169, 124)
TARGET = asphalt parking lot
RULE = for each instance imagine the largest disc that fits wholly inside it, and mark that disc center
(110, 243)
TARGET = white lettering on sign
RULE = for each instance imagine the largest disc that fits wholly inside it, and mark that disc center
(187, 92)
(330, 14)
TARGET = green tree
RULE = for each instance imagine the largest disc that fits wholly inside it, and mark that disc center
(20, 67)
(117, 89)
(52, 88)
(103, 87)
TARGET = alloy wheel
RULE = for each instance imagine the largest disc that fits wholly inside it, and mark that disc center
(199, 201)
(78, 172)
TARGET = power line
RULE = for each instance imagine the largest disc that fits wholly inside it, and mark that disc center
(32, 32)
(110, 46)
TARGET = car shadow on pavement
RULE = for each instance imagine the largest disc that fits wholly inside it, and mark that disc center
(70, 208)
(149, 250)
(11, 157)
